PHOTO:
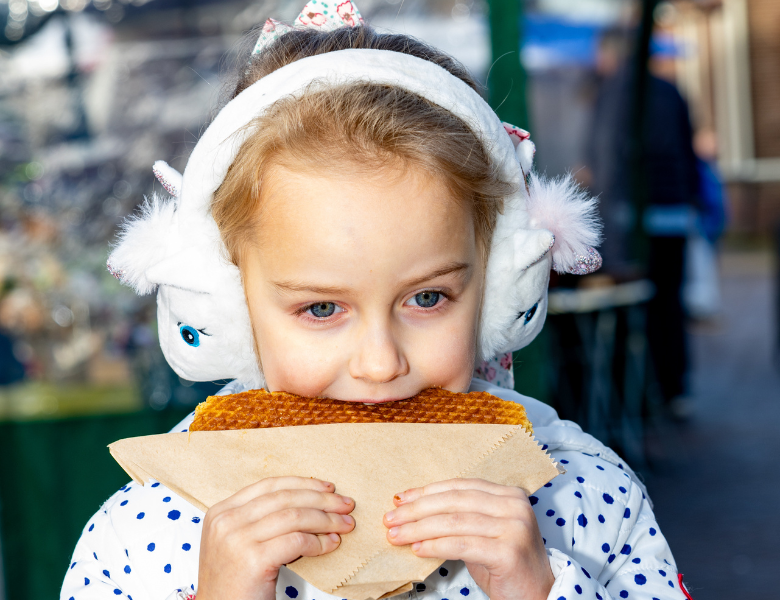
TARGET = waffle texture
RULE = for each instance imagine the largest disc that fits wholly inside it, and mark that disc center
(258, 409)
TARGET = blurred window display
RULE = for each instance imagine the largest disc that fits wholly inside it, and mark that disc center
(91, 94)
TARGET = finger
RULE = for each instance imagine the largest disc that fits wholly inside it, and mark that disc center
(456, 524)
(470, 549)
(304, 520)
(413, 494)
(285, 549)
(272, 484)
(460, 501)
(259, 507)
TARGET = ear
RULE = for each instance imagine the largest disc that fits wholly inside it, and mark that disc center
(169, 177)
(199, 269)
(142, 242)
(530, 246)
(562, 207)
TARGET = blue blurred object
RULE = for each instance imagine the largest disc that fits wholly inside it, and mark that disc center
(665, 46)
(551, 42)
(11, 370)
(712, 216)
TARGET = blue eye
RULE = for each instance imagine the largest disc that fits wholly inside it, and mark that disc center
(427, 299)
(190, 335)
(529, 314)
(323, 310)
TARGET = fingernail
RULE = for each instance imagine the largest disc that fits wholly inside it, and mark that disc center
(327, 484)
(416, 546)
(346, 499)
(399, 497)
(348, 519)
(393, 532)
(334, 537)
(390, 516)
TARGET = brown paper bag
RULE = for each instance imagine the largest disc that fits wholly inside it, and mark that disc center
(368, 462)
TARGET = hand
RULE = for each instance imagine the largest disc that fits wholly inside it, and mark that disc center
(249, 536)
(490, 527)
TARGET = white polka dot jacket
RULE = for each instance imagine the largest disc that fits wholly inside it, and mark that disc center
(598, 526)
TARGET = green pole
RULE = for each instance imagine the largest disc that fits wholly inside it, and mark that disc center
(506, 78)
(506, 94)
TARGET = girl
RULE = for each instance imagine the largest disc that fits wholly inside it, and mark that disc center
(356, 224)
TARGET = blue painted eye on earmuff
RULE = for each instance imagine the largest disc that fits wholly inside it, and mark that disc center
(190, 335)
(529, 314)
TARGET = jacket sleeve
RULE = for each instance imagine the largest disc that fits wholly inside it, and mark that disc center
(107, 564)
(602, 537)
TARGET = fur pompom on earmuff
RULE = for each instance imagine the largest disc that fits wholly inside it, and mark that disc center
(141, 243)
(560, 206)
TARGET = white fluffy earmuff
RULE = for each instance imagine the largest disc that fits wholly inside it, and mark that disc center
(173, 245)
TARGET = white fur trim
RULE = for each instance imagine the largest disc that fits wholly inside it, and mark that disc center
(141, 241)
(562, 207)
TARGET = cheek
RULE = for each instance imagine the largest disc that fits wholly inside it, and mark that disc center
(445, 356)
(294, 363)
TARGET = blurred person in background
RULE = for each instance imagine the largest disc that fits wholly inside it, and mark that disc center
(671, 175)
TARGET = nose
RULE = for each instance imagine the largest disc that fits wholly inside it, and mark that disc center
(378, 356)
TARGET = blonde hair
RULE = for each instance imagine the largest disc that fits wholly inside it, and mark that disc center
(369, 126)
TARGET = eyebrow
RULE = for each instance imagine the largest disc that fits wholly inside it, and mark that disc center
(324, 290)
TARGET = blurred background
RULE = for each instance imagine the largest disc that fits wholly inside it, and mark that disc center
(669, 111)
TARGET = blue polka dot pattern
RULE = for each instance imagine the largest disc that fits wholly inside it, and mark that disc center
(196, 519)
(582, 521)
(601, 519)
(608, 499)
(663, 573)
(560, 522)
(581, 479)
(605, 548)
(443, 572)
(173, 515)
(91, 527)
(186, 547)
(636, 561)
(578, 494)
(578, 588)
(533, 500)
(106, 573)
(140, 515)
(465, 591)
(86, 581)
(155, 484)
(150, 547)
(118, 592)
(640, 579)
(291, 592)
(167, 568)
(124, 502)
(127, 569)
(550, 512)
(624, 593)
(622, 489)
(626, 549)
(167, 499)
(652, 531)
(627, 513)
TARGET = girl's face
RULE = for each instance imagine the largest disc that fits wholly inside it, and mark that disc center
(363, 288)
